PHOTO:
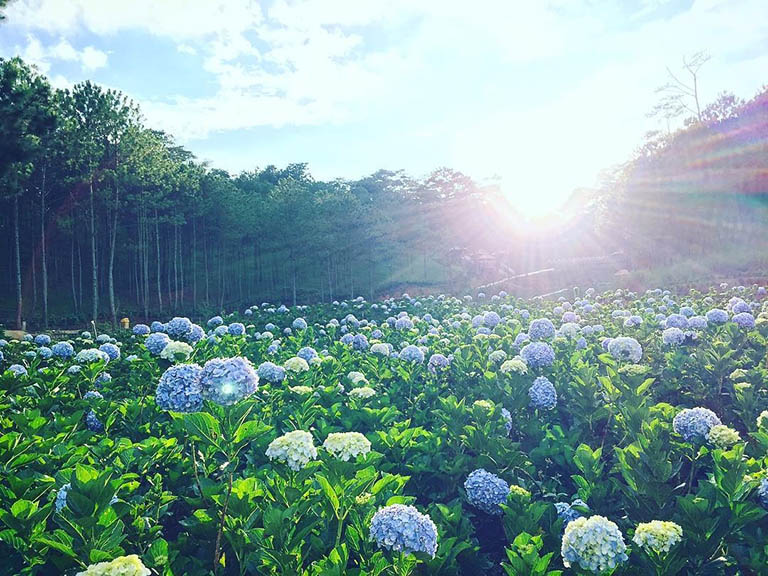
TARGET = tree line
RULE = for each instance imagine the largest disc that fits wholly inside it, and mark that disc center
(103, 216)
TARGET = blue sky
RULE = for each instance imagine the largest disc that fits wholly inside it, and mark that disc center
(544, 94)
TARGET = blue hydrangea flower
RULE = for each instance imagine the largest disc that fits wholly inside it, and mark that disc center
(486, 491)
(63, 350)
(307, 353)
(156, 342)
(737, 305)
(195, 334)
(93, 395)
(625, 348)
(541, 329)
(568, 512)
(438, 362)
(102, 338)
(43, 340)
(694, 423)
(110, 350)
(270, 327)
(44, 352)
(221, 330)
(180, 389)
(91, 356)
(215, 321)
(403, 323)
(141, 330)
(61, 497)
(762, 492)
(157, 326)
(542, 394)
(18, 370)
(717, 316)
(273, 348)
(271, 372)
(491, 319)
(521, 338)
(507, 417)
(412, 354)
(103, 378)
(633, 321)
(673, 336)
(676, 321)
(697, 323)
(178, 327)
(403, 528)
(93, 423)
(360, 342)
(538, 355)
(299, 324)
(236, 329)
(744, 320)
(74, 369)
(227, 381)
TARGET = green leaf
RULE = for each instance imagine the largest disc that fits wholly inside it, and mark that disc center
(329, 492)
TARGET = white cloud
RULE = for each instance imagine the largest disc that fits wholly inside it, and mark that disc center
(93, 58)
(63, 51)
(186, 49)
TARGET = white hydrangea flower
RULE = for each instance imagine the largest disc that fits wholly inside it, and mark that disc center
(296, 365)
(362, 393)
(657, 536)
(346, 445)
(176, 351)
(296, 449)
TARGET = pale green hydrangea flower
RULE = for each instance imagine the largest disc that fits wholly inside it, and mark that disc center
(295, 449)
(657, 536)
(346, 445)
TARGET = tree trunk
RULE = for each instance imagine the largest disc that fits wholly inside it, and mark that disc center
(112, 242)
(194, 264)
(17, 253)
(157, 244)
(43, 251)
(72, 270)
(94, 265)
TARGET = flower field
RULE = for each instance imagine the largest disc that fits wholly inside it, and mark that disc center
(613, 433)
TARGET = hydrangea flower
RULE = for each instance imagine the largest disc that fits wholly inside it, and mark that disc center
(93, 395)
(403, 528)
(438, 362)
(177, 327)
(93, 423)
(295, 449)
(541, 329)
(236, 329)
(717, 316)
(516, 365)
(157, 326)
(657, 536)
(380, 349)
(507, 417)
(175, 350)
(61, 497)
(673, 336)
(497, 356)
(110, 350)
(403, 323)
(180, 389)
(486, 491)
(63, 350)
(762, 492)
(569, 512)
(595, 544)
(44, 352)
(271, 372)
(491, 319)
(74, 369)
(296, 364)
(362, 393)
(695, 423)
(215, 321)
(722, 436)
(542, 394)
(91, 356)
(195, 334)
(156, 341)
(307, 353)
(43, 340)
(300, 390)
(744, 320)
(676, 321)
(697, 323)
(412, 354)
(346, 445)
(625, 348)
(299, 324)
(227, 381)
(360, 342)
(538, 355)
(141, 330)
(122, 566)
(521, 339)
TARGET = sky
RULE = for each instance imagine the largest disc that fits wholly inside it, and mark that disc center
(543, 94)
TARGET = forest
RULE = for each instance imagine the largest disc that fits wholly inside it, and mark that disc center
(103, 216)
